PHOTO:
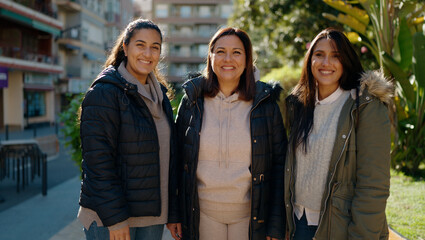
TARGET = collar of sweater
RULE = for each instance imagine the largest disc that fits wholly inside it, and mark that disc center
(329, 99)
(155, 95)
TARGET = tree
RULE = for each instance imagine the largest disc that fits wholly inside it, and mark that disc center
(280, 29)
(393, 31)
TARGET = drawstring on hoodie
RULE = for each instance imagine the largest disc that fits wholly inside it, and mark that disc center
(227, 136)
(225, 151)
(219, 136)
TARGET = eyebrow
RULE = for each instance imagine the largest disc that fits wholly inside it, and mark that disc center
(233, 48)
(157, 43)
(319, 50)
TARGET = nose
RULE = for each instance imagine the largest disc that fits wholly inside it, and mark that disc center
(326, 61)
(147, 52)
(227, 57)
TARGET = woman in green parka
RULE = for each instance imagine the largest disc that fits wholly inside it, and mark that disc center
(338, 164)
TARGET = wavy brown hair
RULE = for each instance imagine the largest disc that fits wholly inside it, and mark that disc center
(246, 87)
(301, 102)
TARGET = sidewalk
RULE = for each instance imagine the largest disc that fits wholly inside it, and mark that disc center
(51, 217)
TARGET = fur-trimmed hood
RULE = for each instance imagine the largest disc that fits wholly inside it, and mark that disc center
(377, 85)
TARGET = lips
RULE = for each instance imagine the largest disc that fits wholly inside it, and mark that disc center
(228, 68)
(326, 72)
(145, 62)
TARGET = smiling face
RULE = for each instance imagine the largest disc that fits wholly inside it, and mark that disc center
(228, 60)
(143, 52)
(326, 67)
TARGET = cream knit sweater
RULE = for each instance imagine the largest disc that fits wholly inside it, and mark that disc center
(312, 167)
(224, 179)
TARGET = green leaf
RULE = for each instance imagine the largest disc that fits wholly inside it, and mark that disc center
(405, 45)
(400, 75)
(419, 58)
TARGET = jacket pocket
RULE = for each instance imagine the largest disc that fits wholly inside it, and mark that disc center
(340, 211)
(261, 191)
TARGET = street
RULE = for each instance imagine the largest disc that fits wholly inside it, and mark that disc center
(30, 215)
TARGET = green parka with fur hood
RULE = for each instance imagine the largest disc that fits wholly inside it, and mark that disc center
(358, 181)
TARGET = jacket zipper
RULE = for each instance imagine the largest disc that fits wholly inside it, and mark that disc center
(292, 193)
(195, 166)
(336, 164)
(196, 103)
(250, 128)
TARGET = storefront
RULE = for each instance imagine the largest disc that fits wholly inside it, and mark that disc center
(38, 98)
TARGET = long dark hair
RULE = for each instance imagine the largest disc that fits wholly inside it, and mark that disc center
(117, 54)
(246, 87)
(301, 102)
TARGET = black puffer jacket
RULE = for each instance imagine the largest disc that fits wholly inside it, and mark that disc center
(268, 141)
(121, 152)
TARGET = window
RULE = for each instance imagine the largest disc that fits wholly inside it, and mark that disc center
(204, 11)
(35, 104)
(185, 11)
(206, 30)
(161, 11)
(203, 50)
(226, 11)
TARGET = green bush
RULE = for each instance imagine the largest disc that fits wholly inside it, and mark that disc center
(288, 77)
(70, 118)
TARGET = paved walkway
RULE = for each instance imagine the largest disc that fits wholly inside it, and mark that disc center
(50, 217)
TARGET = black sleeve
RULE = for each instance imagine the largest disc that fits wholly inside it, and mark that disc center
(99, 129)
(277, 217)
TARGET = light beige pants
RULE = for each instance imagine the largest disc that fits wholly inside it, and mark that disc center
(210, 229)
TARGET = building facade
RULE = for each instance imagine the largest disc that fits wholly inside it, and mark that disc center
(50, 49)
(188, 26)
(143, 9)
(90, 29)
(29, 63)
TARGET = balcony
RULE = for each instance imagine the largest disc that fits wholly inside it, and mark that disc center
(25, 48)
(193, 1)
(112, 17)
(69, 5)
(42, 6)
(70, 38)
(38, 17)
(34, 65)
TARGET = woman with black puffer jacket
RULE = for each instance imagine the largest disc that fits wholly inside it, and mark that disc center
(232, 145)
(129, 185)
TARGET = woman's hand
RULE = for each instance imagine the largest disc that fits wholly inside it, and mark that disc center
(120, 234)
(270, 238)
(175, 230)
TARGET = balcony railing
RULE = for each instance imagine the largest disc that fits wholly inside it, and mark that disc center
(14, 52)
(43, 6)
(72, 33)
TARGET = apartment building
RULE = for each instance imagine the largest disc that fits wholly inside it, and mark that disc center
(81, 44)
(143, 9)
(29, 64)
(118, 13)
(188, 26)
(90, 29)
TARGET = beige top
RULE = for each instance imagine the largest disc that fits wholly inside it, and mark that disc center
(224, 179)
